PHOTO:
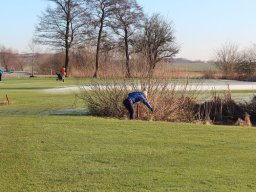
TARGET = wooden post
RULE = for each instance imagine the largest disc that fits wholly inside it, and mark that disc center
(137, 111)
(7, 99)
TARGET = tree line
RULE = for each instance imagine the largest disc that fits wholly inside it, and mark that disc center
(116, 28)
(98, 36)
(235, 63)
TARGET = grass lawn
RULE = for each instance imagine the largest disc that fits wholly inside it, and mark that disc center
(41, 150)
(36, 83)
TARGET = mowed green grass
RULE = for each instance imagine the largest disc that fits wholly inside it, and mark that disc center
(36, 83)
(43, 151)
(77, 153)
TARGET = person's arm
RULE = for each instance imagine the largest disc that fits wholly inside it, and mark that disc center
(146, 103)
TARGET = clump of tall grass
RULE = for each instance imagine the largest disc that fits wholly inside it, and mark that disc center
(219, 109)
(225, 110)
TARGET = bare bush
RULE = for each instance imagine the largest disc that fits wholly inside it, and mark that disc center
(105, 100)
(170, 102)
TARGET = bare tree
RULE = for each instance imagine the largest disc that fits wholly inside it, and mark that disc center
(100, 11)
(61, 27)
(246, 66)
(50, 63)
(34, 55)
(20, 62)
(157, 41)
(227, 59)
(6, 57)
(127, 19)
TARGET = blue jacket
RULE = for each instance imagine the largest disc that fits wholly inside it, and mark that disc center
(135, 97)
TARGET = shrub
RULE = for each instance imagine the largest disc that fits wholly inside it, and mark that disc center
(105, 100)
(171, 102)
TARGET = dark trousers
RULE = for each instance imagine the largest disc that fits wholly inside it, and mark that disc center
(129, 107)
(0, 77)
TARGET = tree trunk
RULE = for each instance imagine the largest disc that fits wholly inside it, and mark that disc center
(67, 60)
(98, 49)
(127, 62)
(151, 69)
(67, 46)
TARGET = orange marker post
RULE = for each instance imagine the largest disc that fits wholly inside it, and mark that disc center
(138, 111)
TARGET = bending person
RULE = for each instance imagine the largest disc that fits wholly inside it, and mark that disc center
(135, 97)
(1, 73)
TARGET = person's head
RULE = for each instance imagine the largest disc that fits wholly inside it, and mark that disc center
(145, 93)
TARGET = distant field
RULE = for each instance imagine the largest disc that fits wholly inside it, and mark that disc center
(194, 66)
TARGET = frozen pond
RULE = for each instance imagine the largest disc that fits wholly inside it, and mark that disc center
(207, 85)
(219, 85)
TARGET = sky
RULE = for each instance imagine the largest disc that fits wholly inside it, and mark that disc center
(200, 26)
